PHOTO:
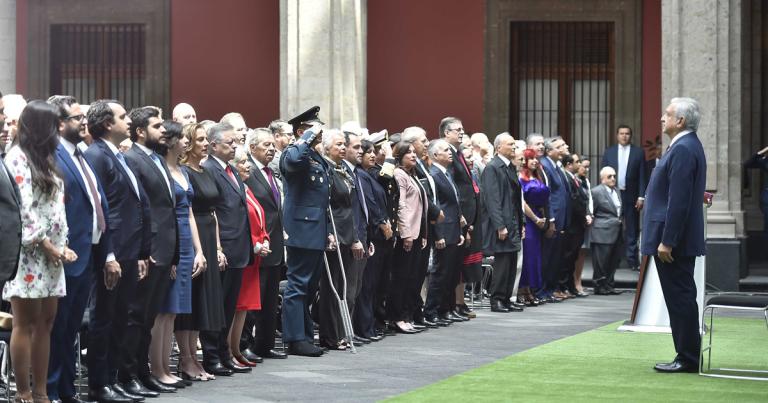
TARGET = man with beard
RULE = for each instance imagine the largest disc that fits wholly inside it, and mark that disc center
(86, 207)
(150, 169)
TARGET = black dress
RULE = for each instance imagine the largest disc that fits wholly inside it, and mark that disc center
(207, 309)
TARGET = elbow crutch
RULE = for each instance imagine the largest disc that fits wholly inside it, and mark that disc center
(346, 319)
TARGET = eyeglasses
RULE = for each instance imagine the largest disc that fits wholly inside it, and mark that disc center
(76, 118)
(611, 176)
(457, 129)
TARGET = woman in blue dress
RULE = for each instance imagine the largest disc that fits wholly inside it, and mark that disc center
(191, 260)
(536, 195)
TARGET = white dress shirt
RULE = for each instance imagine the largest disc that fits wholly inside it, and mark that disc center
(621, 175)
(151, 153)
(616, 200)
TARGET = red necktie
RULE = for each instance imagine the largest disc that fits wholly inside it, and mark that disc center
(100, 223)
(232, 175)
(474, 185)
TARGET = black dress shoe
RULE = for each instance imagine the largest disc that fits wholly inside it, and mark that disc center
(376, 337)
(676, 366)
(418, 326)
(361, 339)
(613, 291)
(152, 383)
(515, 308)
(600, 290)
(104, 394)
(304, 348)
(177, 384)
(233, 366)
(119, 390)
(70, 400)
(450, 318)
(460, 316)
(251, 356)
(274, 354)
(398, 329)
(217, 369)
(428, 323)
(137, 388)
(498, 306)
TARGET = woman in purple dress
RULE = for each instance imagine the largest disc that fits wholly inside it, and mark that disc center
(536, 195)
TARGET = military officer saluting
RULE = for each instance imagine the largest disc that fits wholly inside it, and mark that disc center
(306, 222)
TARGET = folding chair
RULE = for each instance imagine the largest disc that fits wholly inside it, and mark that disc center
(736, 302)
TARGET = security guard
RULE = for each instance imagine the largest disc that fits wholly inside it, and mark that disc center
(306, 222)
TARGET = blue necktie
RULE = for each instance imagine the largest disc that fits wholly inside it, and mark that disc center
(134, 182)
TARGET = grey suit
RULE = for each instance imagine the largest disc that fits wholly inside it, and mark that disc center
(606, 237)
(10, 225)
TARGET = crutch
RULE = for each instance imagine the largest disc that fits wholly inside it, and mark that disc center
(346, 320)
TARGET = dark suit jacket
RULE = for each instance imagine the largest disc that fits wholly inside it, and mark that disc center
(636, 173)
(450, 228)
(129, 215)
(10, 226)
(433, 210)
(606, 227)
(385, 176)
(307, 186)
(674, 209)
(232, 213)
(162, 206)
(361, 220)
(376, 200)
(579, 205)
(503, 201)
(559, 195)
(467, 196)
(80, 214)
(344, 218)
(273, 213)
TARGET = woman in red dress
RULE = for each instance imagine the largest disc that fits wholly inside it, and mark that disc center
(249, 298)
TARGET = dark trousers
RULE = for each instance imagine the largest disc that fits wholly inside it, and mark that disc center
(216, 344)
(504, 273)
(331, 326)
(381, 295)
(69, 319)
(679, 290)
(415, 302)
(363, 318)
(441, 297)
(142, 310)
(104, 334)
(265, 320)
(404, 267)
(571, 246)
(605, 259)
(551, 261)
(303, 274)
(631, 230)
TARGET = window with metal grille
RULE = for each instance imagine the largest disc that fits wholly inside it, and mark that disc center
(99, 61)
(561, 82)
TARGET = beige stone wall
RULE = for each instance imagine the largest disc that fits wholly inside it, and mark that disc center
(8, 46)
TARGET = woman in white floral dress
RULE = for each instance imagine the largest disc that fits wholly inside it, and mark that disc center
(40, 280)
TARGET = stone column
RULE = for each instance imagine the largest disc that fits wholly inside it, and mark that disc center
(322, 59)
(701, 58)
(8, 39)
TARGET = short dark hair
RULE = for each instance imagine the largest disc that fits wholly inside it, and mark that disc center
(567, 159)
(367, 146)
(173, 132)
(62, 102)
(624, 127)
(140, 119)
(100, 114)
(445, 123)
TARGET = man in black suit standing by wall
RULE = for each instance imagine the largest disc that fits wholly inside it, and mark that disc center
(10, 217)
(150, 170)
(263, 184)
(130, 232)
(628, 160)
(234, 232)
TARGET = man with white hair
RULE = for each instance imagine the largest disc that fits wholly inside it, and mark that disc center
(673, 227)
(480, 148)
(184, 113)
(14, 104)
(606, 232)
(237, 121)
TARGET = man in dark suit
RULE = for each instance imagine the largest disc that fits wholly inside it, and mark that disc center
(152, 173)
(264, 186)
(559, 219)
(579, 219)
(673, 226)
(86, 207)
(131, 235)
(308, 229)
(234, 233)
(605, 237)
(628, 160)
(10, 217)
(503, 201)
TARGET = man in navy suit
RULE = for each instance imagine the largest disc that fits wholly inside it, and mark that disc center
(673, 226)
(559, 217)
(629, 162)
(86, 207)
(130, 232)
(308, 229)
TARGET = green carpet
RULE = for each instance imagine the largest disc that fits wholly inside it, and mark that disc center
(606, 365)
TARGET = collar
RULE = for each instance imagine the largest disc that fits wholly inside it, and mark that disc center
(503, 159)
(145, 149)
(626, 147)
(349, 165)
(68, 146)
(222, 163)
(440, 167)
(329, 161)
(681, 134)
(452, 147)
(110, 146)
(258, 163)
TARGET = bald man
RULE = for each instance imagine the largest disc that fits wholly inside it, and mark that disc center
(184, 113)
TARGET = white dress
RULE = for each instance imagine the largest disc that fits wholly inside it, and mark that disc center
(41, 217)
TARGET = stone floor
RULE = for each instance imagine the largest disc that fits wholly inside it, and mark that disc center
(404, 362)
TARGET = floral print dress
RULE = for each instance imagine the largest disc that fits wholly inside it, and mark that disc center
(41, 217)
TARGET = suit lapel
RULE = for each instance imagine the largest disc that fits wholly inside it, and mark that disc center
(105, 149)
(70, 164)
